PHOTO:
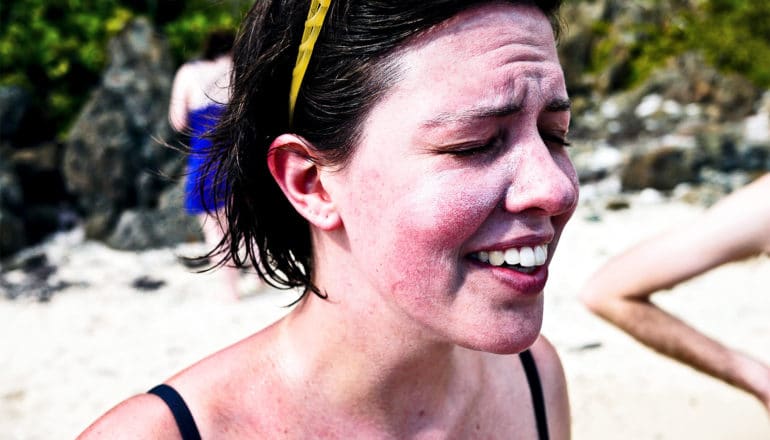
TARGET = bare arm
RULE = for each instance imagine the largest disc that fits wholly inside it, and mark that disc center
(179, 102)
(735, 228)
(140, 417)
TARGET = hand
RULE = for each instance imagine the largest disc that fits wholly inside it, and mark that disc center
(754, 377)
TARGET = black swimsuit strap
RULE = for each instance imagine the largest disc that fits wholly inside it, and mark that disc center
(189, 430)
(182, 415)
(538, 402)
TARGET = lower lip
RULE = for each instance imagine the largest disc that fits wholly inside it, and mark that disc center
(527, 284)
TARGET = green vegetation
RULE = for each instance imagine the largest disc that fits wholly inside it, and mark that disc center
(56, 49)
(733, 35)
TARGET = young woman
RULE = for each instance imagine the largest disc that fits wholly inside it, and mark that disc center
(414, 184)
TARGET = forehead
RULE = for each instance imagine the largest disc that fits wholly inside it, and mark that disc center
(477, 29)
(489, 55)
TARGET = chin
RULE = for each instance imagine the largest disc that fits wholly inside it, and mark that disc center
(509, 345)
(507, 336)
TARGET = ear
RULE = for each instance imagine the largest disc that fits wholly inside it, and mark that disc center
(290, 160)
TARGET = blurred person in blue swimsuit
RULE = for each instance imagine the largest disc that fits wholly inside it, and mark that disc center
(199, 93)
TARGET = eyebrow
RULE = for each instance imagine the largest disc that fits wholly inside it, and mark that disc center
(555, 105)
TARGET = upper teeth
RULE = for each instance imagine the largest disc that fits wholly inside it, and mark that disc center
(525, 256)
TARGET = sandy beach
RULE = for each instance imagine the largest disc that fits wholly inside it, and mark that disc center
(66, 361)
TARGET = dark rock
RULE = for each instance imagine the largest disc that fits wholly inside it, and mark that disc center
(12, 233)
(11, 194)
(755, 158)
(167, 225)
(99, 224)
(173, 196)
(593, 218)
(32, 190)
(660, 168)
(14, 102)
(147, 284)
(617, 204)
(587, 346)
(35, 277)
(718, 148)
(144, 229)
(38, 169)
(40, 220)
(28, 261)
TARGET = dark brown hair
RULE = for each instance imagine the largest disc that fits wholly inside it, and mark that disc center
(218, 42)
(349, 71)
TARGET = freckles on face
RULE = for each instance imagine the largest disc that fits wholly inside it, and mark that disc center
(413, 229)
(427, 184)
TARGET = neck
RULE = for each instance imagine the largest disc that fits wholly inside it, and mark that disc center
(356, 358)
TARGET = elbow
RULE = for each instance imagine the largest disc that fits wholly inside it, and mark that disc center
(589, 298)
(594, 301)
(176, 123)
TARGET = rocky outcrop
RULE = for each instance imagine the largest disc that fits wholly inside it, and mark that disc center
(114, 165)
(687, 125)
(683, 124)
(115, 159)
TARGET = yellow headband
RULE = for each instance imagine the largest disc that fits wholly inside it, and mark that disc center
(313, 24)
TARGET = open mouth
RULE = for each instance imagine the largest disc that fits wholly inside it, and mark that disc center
(525, 259)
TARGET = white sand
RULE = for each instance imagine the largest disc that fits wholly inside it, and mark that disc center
(64, 363)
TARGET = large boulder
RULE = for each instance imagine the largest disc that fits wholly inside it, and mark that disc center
(166, 225)
(116, 147)
(139, 229)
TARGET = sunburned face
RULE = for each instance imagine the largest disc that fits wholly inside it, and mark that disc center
(455, 198)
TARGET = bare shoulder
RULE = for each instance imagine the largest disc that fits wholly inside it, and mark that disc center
(551, 372)
(547, 359)
(144, 416)
(183, 74)
(187, 75)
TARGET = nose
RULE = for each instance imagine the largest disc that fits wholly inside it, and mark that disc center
(544, 180)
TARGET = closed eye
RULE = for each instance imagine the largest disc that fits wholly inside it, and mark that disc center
(475, 149)
(554, 139)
